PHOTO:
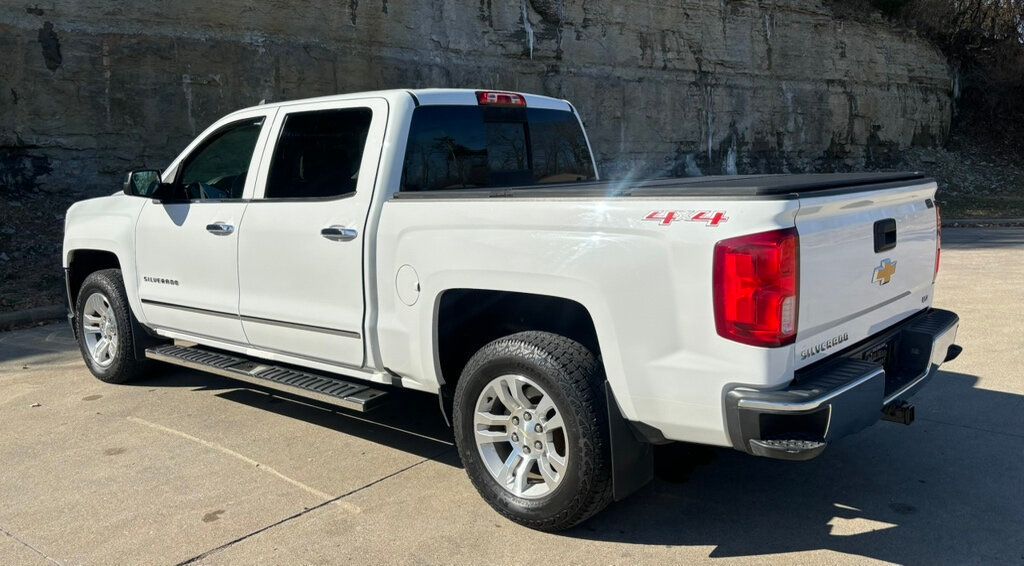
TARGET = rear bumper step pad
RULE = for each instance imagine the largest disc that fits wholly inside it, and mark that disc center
(349, 395)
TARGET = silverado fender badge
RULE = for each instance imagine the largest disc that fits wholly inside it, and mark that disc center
(884, 273)
(160, 280)
(711, 218)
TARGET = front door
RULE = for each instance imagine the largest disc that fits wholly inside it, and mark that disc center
(301, 250)
(186, 250)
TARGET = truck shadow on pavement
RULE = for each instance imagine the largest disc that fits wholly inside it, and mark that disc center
(948, 489)
(410, 421)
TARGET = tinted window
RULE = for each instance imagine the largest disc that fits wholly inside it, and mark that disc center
(560, 153)
(454, 147)
(219, 167)
(318, 154)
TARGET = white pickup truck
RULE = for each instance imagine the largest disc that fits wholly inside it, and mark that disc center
(459, 242)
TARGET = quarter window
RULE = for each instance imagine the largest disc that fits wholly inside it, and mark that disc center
(318, 154)
(218, 169)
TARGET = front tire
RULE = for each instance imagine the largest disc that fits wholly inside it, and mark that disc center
(531, 428)
(104, 322)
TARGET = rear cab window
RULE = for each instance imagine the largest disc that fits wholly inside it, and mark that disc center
(465, 147)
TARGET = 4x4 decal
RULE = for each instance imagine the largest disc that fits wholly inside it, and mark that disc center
(712, 218)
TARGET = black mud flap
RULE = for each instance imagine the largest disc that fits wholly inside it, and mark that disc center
(71, 303)
(632, 459)
(142, 338)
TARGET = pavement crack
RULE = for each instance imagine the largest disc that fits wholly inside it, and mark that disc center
(196, 559)
(979, 429)
(29, 546)
(213, 445)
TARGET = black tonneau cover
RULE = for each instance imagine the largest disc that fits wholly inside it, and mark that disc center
(750, 186)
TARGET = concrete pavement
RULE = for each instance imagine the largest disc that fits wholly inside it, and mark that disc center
(189, 467)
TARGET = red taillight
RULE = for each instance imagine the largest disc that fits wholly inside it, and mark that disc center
(494, 98)
(938, 241)
(756, 283)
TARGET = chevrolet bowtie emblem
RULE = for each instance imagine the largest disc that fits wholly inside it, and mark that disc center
(884, 272)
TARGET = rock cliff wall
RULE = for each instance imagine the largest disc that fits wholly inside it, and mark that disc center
(91, 88)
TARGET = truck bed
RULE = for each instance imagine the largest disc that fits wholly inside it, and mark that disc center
(751, 186)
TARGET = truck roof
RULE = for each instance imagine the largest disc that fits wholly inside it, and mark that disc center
(426, 97)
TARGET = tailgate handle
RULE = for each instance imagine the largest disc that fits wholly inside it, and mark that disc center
(885, 235)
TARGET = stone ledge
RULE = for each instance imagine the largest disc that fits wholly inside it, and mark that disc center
(14, 319)
(982, 222)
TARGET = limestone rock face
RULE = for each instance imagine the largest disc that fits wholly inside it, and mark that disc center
(92, 88)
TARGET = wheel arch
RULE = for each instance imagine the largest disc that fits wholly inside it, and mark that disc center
(466, 319)
(84, 261)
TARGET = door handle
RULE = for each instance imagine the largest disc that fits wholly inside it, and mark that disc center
(220, 228)
(885, 235)
(339, 233)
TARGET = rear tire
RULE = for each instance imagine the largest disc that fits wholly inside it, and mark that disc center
(104, 330)
(559, 421)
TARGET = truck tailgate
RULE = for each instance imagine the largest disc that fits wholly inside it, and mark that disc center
(867, 261)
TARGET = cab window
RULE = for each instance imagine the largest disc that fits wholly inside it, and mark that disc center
(460, 147)
(219, 167)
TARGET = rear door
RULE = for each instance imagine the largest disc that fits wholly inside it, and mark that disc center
(301, 252)
(867, 260)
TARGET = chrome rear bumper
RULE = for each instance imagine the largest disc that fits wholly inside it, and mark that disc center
(841, 395)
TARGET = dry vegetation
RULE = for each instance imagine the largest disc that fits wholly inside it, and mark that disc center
(984, 40)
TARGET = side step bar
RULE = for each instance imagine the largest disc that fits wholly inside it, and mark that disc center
(345, 394)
